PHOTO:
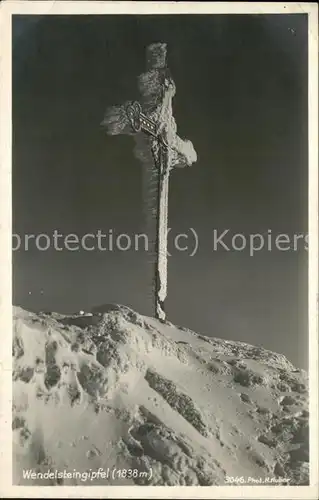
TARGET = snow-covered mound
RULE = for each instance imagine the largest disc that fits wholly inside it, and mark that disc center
(116, 390)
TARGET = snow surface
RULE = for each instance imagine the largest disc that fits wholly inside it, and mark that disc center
(113, 388)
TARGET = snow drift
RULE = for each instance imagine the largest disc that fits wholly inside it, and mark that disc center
(116, 390)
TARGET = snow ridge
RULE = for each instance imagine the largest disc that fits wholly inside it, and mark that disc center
(112, 388)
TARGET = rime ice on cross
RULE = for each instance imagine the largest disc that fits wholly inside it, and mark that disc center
(157, 144)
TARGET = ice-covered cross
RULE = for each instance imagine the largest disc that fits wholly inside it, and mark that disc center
(158, 146)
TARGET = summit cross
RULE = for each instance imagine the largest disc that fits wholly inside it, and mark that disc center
(158, 146)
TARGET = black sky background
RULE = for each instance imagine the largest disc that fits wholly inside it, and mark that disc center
(242, 100)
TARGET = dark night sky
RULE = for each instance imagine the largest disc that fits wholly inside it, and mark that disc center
(241, 98)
